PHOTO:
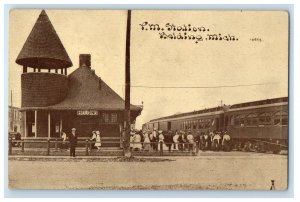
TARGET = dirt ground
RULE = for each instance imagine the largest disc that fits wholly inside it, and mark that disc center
(242, 171)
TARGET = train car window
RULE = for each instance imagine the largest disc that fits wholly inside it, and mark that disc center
(211, 123)
(283, 116)
(277, 121)
(239, 120)
(242, 119)
(236, 120)
(284, 121)
(200, 126)
(251, 119)
(195, 125)
(265, 118)
(277, 118)
(231, 120)
(207, 124)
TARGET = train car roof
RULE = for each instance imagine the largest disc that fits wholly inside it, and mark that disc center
(215, 109)
(225, 107)
(259, 102)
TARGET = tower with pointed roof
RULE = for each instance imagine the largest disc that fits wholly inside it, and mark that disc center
(45, 62)
(53, 101)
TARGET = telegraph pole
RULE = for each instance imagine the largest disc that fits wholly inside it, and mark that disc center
(11, 98)
(127, 151)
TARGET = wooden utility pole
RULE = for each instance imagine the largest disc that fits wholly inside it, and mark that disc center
(11, 99)
(127, 151)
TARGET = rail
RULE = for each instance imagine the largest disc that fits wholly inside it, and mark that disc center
(271, 143)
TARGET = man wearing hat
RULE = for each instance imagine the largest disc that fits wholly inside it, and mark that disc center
(73, 142)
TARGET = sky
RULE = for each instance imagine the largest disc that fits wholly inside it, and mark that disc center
(259, 56)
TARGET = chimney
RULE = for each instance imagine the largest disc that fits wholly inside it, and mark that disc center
(85, 60)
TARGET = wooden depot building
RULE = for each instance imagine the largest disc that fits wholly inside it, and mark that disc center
(53, 101)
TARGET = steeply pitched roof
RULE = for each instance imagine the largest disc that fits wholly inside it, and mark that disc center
(88, 91)
(43, 48)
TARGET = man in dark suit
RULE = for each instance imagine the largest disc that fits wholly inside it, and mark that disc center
(169, 139)
(73, 142)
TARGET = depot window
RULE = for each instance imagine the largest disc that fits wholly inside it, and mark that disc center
(105, 117)
(114, 117)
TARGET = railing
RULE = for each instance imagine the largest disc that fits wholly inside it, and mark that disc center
(157, 148)
(188, 148)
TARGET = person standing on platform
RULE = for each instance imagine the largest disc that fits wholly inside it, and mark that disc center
(151, 138)
(137, 144)
(202, 141)
(181, 140)
(190, 140)
(175, 140)
(155, 140)
(98, 140)
(147, 146)
(169, 139)
(206, 141)
(161, 138)
(63, 145)
(73, 142)
(226, 142)
(18, 138)
(131, 140)
(216, 141)
(93, 139)
(210, 140)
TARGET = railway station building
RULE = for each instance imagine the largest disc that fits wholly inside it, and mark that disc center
(53, 101)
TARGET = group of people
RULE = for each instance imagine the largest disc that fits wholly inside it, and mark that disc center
(97, 138)
(180, 140)
(17, 138)
(216, 141)
(151, 140)
(146, 141)
(72, 138)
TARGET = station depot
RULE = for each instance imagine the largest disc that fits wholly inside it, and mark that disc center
(53, 101)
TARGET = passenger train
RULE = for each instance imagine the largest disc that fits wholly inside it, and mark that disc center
(257, 125)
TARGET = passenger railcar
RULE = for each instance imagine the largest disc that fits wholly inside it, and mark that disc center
(257, 123)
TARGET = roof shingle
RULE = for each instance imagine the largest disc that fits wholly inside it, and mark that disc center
(88, 91)
(43, 48)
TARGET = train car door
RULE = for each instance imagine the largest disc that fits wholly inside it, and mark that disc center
(217, 124)
(226, 122)
(169, 125)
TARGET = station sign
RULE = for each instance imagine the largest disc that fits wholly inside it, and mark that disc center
(87, 113)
